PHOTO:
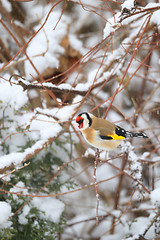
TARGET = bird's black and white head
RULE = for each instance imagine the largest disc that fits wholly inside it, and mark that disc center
(84, 120)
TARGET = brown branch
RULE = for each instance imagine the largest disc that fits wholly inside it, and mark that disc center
(64, 193)
(14, 170)
(140, 11)
(118, 191)
(52, 88)
(128, 66)
(23, 48)
(81, 188)
(26, 85)
(152, 222)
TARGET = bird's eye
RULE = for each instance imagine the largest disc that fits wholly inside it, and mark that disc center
(80, 121)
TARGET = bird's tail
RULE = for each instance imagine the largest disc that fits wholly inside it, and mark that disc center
(135, 134)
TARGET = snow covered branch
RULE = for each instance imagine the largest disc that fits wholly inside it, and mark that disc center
(13, 160)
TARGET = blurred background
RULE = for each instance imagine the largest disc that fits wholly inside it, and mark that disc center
(58, 59)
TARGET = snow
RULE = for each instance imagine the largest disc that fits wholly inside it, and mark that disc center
(52, 208)
(5, 214)
(76, 44)
(105, 172)
(155, 196)
(89, 151)
(138, 225)
(51, 131)
(17, 157)
(91, 2)
(111, 237)
(19, 187)
(7, 160)
(22, 217)
(13, 95)
(109, 28)
(113, 22)
(82, 26)
(63, 114)
(7, 5)
(155, 19)
(144, 155)
(46, 130)
(45, 48)
(65, 86)
(129, 4)
(126, 147)
(78, 229)
(135, 167)
(33, 94)
(35, 11)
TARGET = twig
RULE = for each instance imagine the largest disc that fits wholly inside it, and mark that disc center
(95, 183)
(25, 45)
(146, 22)
(26, 85)
(118, 191)
(30, 152)
(152, 222)
(14, 170)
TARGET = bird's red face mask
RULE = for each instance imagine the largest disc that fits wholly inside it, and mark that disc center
(79, 120)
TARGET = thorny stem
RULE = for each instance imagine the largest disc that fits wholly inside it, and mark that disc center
(95, 182)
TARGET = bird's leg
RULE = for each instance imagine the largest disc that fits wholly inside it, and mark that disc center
(95, 182)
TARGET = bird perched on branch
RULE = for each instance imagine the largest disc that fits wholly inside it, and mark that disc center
(101, 133)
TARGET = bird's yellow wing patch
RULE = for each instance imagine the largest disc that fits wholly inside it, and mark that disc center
(111, 134)
(116, 137)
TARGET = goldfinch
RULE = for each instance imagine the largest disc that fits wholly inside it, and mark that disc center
(101, 133)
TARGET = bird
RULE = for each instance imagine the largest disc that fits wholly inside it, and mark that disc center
(101, 133)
